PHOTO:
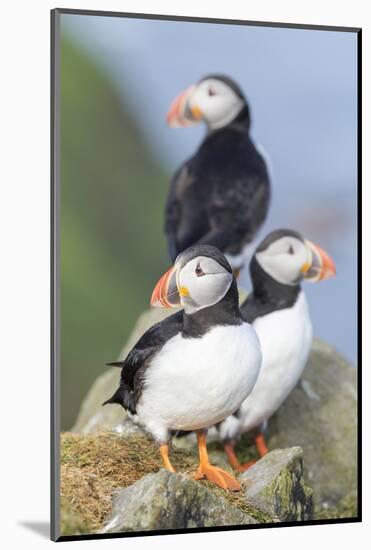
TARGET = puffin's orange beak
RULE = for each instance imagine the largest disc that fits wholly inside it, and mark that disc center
(181, 112)
(166, 293)
(320, 267)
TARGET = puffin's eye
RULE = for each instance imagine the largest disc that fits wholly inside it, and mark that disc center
(211, 91)
(199, 271)
(291, 250)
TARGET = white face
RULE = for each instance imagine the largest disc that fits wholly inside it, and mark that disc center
(285, 259)
(216, 101)
(202, 282)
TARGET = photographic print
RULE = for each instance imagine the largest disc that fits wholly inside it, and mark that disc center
(205, 193)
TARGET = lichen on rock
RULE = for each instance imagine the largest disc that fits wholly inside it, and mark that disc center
(276, 486)
(164, 500)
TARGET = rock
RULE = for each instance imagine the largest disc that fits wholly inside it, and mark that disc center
(275, 486)
(320, 416)
(128, 429)
(345, 508)
(170, 501)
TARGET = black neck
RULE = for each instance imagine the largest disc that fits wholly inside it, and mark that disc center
(269, 291)
(225, 312)
(242, 120)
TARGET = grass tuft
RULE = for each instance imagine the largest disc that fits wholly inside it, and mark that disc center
(93, 466)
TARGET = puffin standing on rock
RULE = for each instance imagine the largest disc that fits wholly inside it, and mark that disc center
(278, 310)
(221, 195)
(196, 367)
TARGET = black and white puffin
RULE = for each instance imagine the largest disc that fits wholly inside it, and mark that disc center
(196, 367)
(220, 196)
(278, 310)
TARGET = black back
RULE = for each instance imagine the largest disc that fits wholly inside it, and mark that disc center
(221, 195)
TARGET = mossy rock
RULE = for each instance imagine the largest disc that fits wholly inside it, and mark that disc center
(276, 486)
(112, 484)
(95, 467)
(345, 508)
(163, 501)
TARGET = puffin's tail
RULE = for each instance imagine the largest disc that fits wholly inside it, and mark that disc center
(116, 364)
(118, 395)
(116, 398)
(123, 395)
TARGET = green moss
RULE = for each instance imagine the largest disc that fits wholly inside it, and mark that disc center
(285, 496)
(347, 507)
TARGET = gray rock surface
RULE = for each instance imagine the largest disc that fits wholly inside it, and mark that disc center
(170, 501)
(319, 416)
(275, 486)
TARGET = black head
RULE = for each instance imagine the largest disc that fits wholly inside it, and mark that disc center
(232, 84)
(205, 250)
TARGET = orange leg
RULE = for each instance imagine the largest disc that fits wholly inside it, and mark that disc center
(164, 450)
(233, 460)
(213, 473)
(261, 445)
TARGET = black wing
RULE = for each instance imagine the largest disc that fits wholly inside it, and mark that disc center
(237, 210)
(138, 360)
(220, 196)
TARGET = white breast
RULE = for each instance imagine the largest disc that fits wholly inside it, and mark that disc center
(194, 383)
(285, 337)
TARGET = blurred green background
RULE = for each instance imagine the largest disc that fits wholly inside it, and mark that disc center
(112, 195)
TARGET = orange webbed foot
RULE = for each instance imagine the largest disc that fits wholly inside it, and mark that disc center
(216, 475)
(233, 460)
(213, 473)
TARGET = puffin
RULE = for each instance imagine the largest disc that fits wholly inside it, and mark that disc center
(278, 310)
(196, 367)
(220, 196)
